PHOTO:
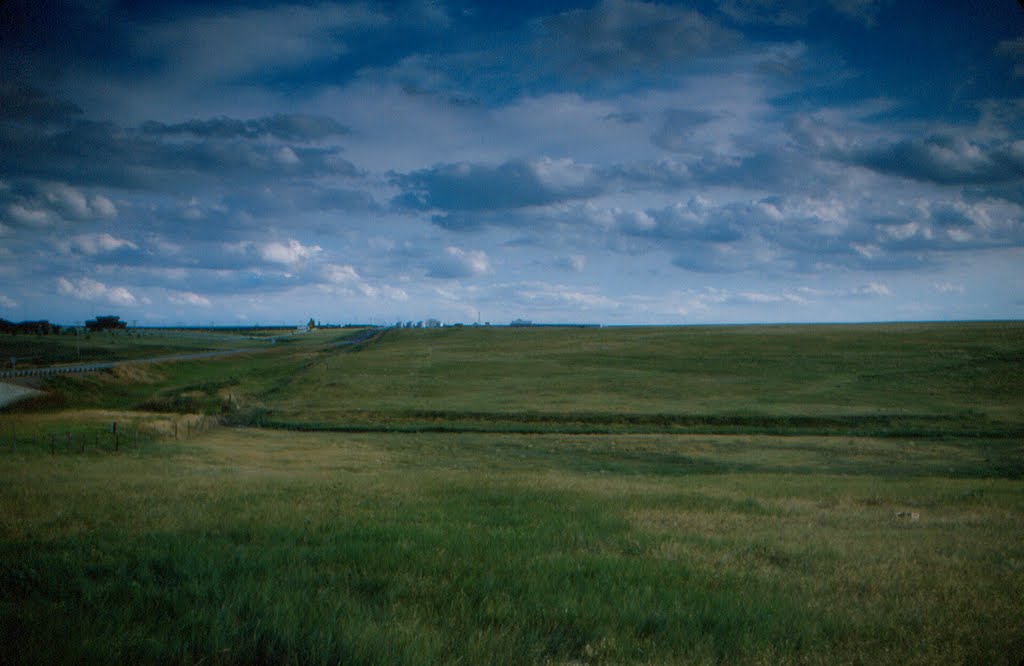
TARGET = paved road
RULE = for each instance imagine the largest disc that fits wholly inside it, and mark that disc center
(92, 367)
(362, 337)
(12, 393)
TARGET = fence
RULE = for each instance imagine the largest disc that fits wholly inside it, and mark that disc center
(112, 437)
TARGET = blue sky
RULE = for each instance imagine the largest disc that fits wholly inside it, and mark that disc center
(616, 162)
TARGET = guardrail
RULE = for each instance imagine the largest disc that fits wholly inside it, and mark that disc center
(106, 365)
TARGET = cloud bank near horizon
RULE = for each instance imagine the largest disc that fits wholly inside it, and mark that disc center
(615, 162)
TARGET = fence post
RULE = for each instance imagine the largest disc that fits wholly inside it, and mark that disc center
(113, 428)
(53, 444)
(83, 442)
(14, 437)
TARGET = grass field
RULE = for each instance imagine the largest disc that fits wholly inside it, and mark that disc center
(67, 348)
(690, 495)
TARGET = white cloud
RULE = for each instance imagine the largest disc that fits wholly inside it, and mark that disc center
(289, 255)
(576, 263)
(189, 298)
(69, 201)
(458, 263)
(949, 288)
(340, 274)
(29, 217)
(871, 289)
(287, 156)
(93, 244)
(87, 289)
(104, 207)
(8, 302)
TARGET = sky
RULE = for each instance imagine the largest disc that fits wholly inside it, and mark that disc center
(617, 162)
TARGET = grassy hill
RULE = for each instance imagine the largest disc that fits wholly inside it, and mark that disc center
(781, 494)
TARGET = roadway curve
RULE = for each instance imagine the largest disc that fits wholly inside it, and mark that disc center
(106, 365)
(11, 393)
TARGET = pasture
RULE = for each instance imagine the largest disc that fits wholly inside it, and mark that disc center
(832, 494)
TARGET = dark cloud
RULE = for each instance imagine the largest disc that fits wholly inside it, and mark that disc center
(943, 159)
(482, 187)
(88, 153)
(797, 13)
(24, 103)
(769, 12)
(620, 36)
(678, 127)
(285, 127)
(455, 263)
(695, 220)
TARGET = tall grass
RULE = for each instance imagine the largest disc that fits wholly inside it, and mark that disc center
(706, 495)
(247, 546)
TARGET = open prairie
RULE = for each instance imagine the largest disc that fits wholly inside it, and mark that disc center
(782, 494)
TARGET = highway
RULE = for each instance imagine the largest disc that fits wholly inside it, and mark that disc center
(11, 392)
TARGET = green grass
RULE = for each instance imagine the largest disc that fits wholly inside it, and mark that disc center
(320, 548)
(33, 351)
(912, 379)
(701, 495)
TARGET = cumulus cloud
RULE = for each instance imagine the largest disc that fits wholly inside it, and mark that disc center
(7, 301)
(290, 254)
(620, 36)
(344, 280)
(87, 289)
(189, 298)
(944, 159)
(794, 13)
(194, 47)
(947, 287)
(576, 263)
(677, 128)
(285, 127)
(865, 11)
(340, 274)
(765, 11)
(1013, 49)
(23, 103)
(68, 201)
(93, 244)
(104, 207)
(482, 187)
(455, 262)
(870, 290)
(91, 154)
